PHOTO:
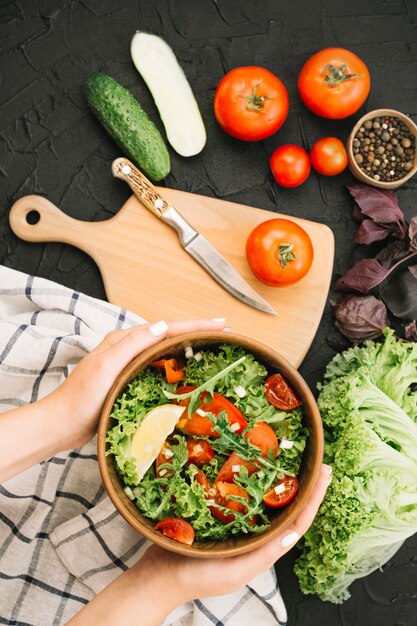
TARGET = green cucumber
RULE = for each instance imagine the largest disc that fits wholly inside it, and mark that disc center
(128, 124)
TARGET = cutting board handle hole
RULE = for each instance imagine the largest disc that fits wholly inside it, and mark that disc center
(33, 217)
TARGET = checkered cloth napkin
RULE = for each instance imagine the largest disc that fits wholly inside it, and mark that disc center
(61, 539)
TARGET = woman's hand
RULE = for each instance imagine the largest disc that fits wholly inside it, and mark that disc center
(68, 417)
(162, 580)
(82, 394)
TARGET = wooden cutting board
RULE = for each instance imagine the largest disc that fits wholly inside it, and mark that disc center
(145, 269)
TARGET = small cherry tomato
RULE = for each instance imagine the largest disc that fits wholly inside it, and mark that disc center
(290, 165)
(229, 468)
(282, 493)
(264, 437)
(334, 83)
(198, 424)
(224, 491)
(177, 529)
(279, 252)
(328, 156)
(250, 103)
(200, 452)
(280, 394)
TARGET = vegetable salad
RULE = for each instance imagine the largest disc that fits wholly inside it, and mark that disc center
(235, 451)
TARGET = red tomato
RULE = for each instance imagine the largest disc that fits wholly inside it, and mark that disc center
(279, 252)
(224, 491)
(227, 474)
(264, 437)
(280, 394)
(177, 529)
(250, 103)
(290, 165)
(200, 452)
(198, 424)
(161, 459)
(328, 156)
(334, 83)
(290, 488)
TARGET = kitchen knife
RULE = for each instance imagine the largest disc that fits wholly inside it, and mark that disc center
(195, 244)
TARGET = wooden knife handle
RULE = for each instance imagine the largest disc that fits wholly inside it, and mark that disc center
(142, 188)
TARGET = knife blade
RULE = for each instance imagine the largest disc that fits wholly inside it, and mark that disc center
(193, 242)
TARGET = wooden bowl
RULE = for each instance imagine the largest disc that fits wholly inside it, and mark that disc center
(354, 167)
(312, 458)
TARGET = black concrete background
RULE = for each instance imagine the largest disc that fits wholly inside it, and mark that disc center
(50, 144)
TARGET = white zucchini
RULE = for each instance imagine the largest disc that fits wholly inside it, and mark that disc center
(179, 111)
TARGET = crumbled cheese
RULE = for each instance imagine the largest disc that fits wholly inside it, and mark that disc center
(198, 449)
(286, 444)
(162, 472)
(210, 502)
(235, 427)
(261, 474)
(188, 352)
(201, 412)
(198, 356)
(235, 468)
(212, 492)
(240, 391)
(168, 453)
(279, 489)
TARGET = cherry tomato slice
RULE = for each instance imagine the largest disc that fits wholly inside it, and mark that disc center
(224, 491)
(177, 529)
(161, 459)
(286, 488)
(200, 452)
(280, 394)
(198, 424)
(264, 437)
(202, 480)
(227, 473)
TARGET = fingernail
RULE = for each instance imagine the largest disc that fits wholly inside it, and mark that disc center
(289, 539)
(329, 480)
(159, 328)
(328, 469)
(221, 320)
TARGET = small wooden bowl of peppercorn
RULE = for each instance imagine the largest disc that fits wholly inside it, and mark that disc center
(382, 149)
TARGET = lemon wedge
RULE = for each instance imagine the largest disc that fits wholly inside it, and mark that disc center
(151, 434)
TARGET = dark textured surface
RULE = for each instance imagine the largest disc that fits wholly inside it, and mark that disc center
(51, 145)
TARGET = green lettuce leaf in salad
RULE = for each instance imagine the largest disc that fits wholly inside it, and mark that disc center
(222, 371)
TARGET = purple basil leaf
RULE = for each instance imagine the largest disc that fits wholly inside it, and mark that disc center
(399, 292)
(412, 233)
(394, 251)
(413, 270)
(410, 331)
(381, 205)
(369, 232)
(362, 277)
(357, 214)
(360, 317)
